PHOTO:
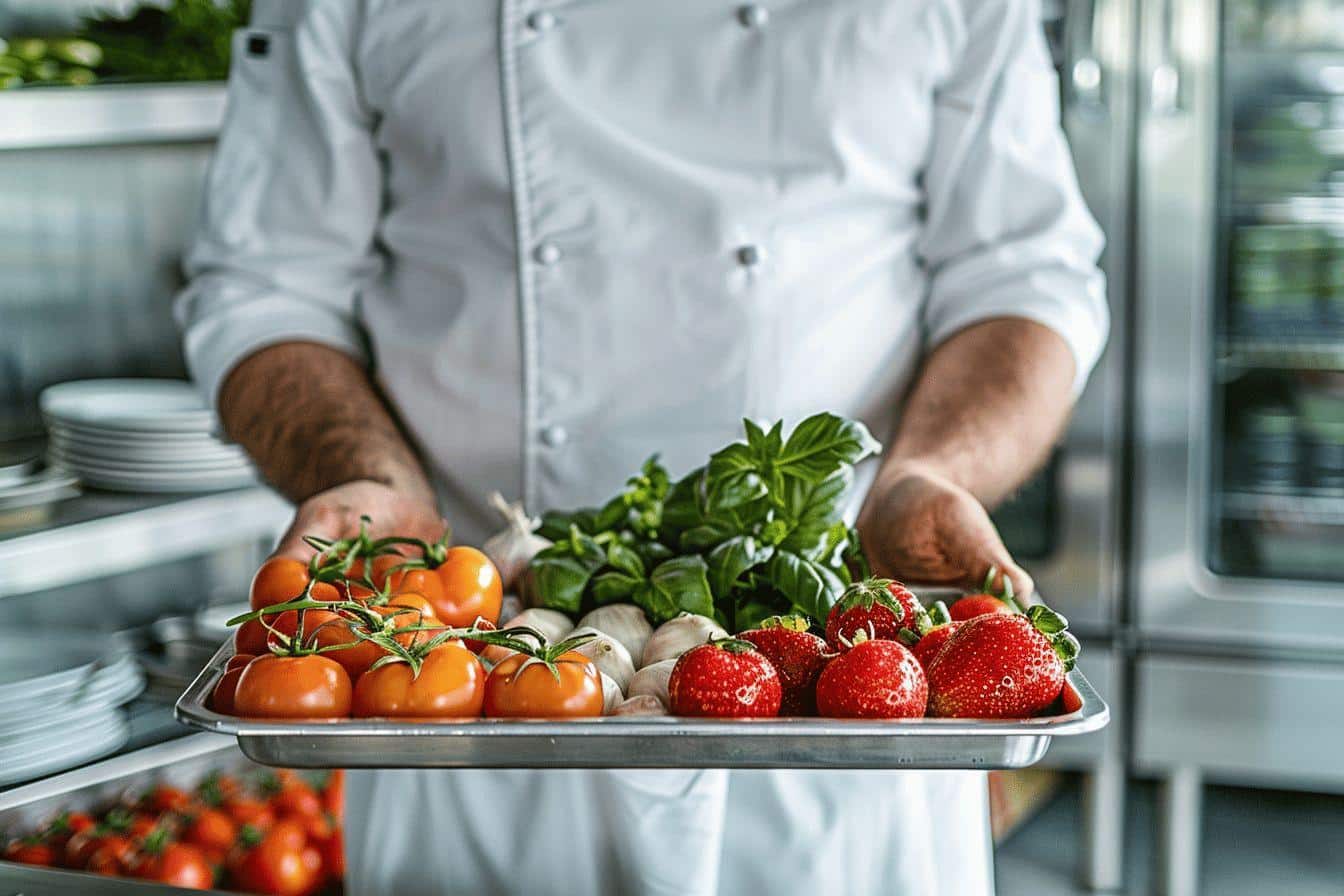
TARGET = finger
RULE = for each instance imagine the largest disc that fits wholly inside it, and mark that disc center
(314, 518)
(1023, 587)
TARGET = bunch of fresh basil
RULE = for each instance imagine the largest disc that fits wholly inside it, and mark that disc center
(754, 533)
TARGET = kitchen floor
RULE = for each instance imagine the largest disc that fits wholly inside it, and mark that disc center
(1256, 842)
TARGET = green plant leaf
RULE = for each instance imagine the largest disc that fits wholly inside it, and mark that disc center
(625, 559)
(733, 478)
(811, 588)
(682, 508)
(727, 562)
(561, 571)
(555, 525)
(612, 587)
(822, 444)
(813, 509)
(675, 586)
(708, 535)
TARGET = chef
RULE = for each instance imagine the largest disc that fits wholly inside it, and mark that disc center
(453, 247)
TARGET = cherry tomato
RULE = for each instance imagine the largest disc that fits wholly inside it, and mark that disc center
(221, 698)
(282, 579)
(247, 811)
(281, 863)
(477, 646)
(293, 687)
(333, 855)
(30, 851)
(142, 825)
(111, 856)
(82, 845)
(216, 787)
(165, 798)
(297, 798)
(516, 688)
(333, 794)
(65, 826)
(210, 829)
(451, 684)
(375, 570)
(177, 864)
(425, 582)
(471, 587)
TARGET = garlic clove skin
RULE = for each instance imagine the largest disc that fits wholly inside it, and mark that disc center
(624, 622)
(651, 681)
(608, 654)
(676, 636)
(641, 705)
(612, 696)
(510, 607)
(553, 624)
(512, 548)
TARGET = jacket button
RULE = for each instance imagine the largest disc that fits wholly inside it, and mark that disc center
(547, 253)
(554, 436)
(749, 256)
(542, 21)
(753, 16)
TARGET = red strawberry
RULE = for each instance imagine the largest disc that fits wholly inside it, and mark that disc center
(931, 630)
(726, 678)
(877, 607)
(872, 680)
(797, 655)
(988, 601)
(1002, 666)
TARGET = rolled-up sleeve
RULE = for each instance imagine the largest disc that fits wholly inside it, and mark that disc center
(1007, 233)
(285, 238)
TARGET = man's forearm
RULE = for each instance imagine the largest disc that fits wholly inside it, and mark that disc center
(311, 419)
(986, 407)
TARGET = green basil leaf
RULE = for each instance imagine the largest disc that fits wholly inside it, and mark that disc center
(756, 438)
(651, 552)
(681, 585)
(811, 588)
(727, 562)
(813, 508)
(822, 444)
(625, 559)
(555, 525)
(708, 535)
(613, 515)
(750, 613)
(560, 581)
(682, 508)
(613, 587)
(733, 478)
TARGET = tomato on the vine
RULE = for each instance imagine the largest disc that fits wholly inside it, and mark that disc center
(450, 684)
(243, 810)
(471, 587)
(308, 686)
(279, 862)
(282, 579)
(521, 686)
(333, 794)
(30, 851)
(111, 856)
(176, 864)
(210, 829)
(357, 659)
(166, 798)
(222, 697)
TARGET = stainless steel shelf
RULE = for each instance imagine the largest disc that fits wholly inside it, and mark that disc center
(110, 114)
(1284, 354)
(103, 533)
(1312, 507)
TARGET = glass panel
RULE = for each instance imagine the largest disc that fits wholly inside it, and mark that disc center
(1277, 458)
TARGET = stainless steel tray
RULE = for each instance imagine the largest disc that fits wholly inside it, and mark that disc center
(647, 742)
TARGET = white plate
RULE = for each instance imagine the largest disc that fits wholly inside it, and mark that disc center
(205, 447)
(32, 667)
(64, 717)
(92, 723)
(74, 753)
(163, 485)
(113, 684)
(132, 404)
(145, 439)
(133, 466)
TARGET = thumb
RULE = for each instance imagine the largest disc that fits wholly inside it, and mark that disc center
(1001, 569)
(312, 518)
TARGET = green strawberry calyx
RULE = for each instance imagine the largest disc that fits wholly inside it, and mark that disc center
(792, 623)
(926, 620)
(1054, 628)
(868, 592)
(1004, 594)
(732, 645)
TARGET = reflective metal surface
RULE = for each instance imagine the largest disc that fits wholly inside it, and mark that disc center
(110, 113)
(647, 742)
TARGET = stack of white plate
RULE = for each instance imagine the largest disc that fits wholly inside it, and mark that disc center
(140, 435)
(59, 702)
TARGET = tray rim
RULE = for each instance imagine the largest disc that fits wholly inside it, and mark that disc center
(190, 709)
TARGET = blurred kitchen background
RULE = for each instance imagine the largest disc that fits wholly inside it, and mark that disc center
(1191, 526)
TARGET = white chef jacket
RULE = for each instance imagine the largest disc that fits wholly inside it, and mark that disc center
(567, 235)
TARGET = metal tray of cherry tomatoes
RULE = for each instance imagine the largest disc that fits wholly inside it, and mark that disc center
(648, 741)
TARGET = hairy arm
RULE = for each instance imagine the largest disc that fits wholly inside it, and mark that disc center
(984, 411)
(313, 422)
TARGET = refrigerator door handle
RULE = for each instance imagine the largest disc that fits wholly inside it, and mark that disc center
(1166, 81)
(1085, 75)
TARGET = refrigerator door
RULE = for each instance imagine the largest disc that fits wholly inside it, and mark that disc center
(1063, 525)
(1238, 506)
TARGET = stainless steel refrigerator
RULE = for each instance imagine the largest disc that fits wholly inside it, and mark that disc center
(1236, 579)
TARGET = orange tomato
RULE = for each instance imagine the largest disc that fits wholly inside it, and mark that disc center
(178, 865)
(30, 851)
(282, 579)
(293, 687)
(210, 830)
(518, 689)
(451, 684)
(471, 588)
(333, 795)
(356, 660)
(244, 810)
(281, 863)
(221, 698)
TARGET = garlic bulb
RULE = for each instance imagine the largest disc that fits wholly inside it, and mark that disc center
(624, 622)
(608, 654)
(514, 546)
(611, 694)
(676, 636)
(642, 705)
(651, 681)
(509, 607)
